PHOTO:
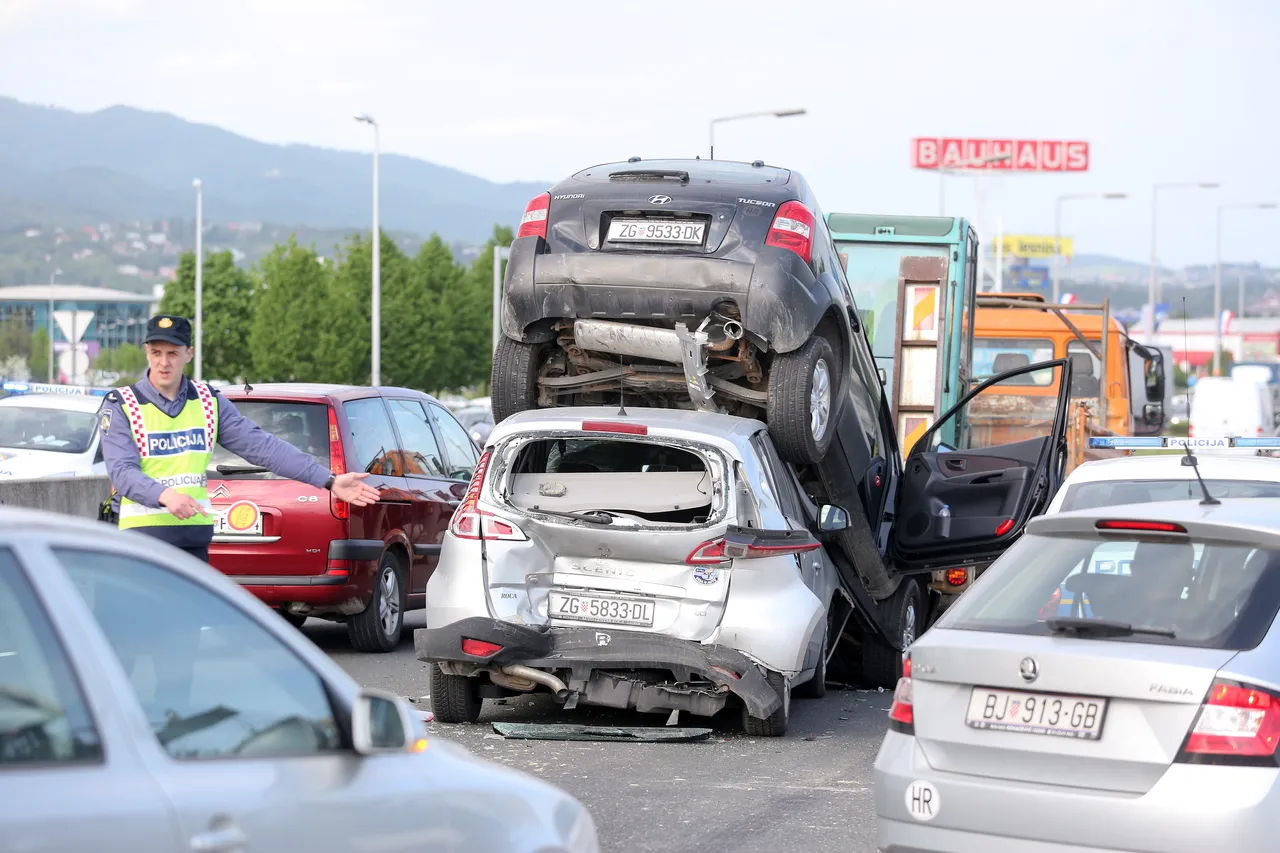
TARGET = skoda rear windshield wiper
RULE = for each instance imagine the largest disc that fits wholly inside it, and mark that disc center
(1103, 627)
(240, 469)
(595, 516)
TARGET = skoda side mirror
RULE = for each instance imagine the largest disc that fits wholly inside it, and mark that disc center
(832, 518)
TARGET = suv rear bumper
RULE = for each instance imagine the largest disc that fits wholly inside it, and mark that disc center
(597, 659)
(779, 298)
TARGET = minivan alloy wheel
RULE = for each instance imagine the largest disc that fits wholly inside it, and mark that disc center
(820, 400)
(389, 607)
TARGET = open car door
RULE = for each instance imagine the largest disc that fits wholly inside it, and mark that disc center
(966, 504)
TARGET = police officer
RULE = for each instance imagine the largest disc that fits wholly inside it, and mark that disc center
(158, 438)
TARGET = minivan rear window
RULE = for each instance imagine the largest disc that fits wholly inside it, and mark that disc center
(1181, 590)
(1121, 492)
(304, 425)
(642, 480)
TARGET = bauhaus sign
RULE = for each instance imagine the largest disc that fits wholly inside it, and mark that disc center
(1017, 155)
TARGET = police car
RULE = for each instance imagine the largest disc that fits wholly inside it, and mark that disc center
(50, 431)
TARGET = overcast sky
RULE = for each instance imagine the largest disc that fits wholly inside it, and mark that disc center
(1162, 91)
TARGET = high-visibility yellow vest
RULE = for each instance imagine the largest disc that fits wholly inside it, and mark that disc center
(175, 452)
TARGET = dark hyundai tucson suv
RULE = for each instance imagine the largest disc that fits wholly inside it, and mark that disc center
(701, 284)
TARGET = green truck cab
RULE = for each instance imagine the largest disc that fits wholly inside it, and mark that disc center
(914, 280)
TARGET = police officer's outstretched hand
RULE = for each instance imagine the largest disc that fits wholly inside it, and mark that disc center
(182, 506)
(347, 487)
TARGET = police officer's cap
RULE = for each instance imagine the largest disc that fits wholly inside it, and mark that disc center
(169, 329)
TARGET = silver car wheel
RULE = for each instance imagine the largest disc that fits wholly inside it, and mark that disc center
(820, 400)
(389, 606)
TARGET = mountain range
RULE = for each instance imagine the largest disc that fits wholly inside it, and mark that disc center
(121, 164)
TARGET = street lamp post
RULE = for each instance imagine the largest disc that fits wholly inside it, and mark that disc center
(1217, 278)
(375, 354)
(765, 114)
(199, 369)
(52, 279)
(500, 254)
(1151, 283)
(1057, 233)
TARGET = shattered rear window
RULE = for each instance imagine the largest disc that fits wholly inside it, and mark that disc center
(652, 482)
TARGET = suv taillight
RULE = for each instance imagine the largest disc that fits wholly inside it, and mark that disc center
(534, 221)
(902, 717)
(471, 522)
(1238, 724)
(337, 464)
(792, 229)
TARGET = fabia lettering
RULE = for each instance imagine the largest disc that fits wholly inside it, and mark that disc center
(180, 441)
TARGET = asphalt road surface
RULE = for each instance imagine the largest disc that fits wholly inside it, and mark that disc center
(810, 790)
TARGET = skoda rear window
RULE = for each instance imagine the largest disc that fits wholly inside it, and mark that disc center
(1177, 590)
(631, 481)
(1121, 492)
(304, 425)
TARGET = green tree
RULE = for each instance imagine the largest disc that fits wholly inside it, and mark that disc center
(471, 307)
(345, 338)
(129, 361)
(422, 331)
(15, 338)
(290, 311)
(228, 311)
(39, 359)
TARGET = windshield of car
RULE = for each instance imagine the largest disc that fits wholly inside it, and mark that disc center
(37, 428)
(304, 425)
(992, 356)
(470, 417)
(1178, 589)
(1119, 491)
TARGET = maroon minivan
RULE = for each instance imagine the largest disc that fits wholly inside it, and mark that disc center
(306, 553)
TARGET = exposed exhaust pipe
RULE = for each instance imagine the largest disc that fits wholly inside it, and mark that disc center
(626, 339)
(732, 330)
(558, 687)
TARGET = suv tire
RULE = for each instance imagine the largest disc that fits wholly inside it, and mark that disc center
(803, 392)
(904, 613)
(454, 698)
(775, 725)
(515, 377)
(378, 627)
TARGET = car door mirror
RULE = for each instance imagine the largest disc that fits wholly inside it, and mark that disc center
(1154, 370)
(832, 518)
(383, 722)
(1153, 414)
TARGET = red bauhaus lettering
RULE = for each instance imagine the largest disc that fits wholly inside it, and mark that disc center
(925, 154)
(952, 153)
(1026, 154)
(1077, 157)
(1021, 155)
(1051, 159)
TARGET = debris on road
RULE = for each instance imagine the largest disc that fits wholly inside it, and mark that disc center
(567, 731)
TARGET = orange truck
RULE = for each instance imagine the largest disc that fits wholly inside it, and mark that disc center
(1015, 329)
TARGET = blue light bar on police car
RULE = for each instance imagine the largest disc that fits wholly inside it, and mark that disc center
(1148, 442)
(45, 388)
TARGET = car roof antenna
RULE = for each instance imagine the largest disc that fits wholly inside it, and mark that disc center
(1190, 461)
(622, 388)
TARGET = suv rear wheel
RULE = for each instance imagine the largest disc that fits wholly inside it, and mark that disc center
(377, 628)
(515, 377)
(802, 401)
(454, 698)
(904, 613)
(774, 725)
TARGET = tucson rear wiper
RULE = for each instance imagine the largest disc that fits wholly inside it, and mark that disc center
(240, 469)
(1108, 627)
(595, 516)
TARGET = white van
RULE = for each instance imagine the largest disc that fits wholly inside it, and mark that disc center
(1223, 406)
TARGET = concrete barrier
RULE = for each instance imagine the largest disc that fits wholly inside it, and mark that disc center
(78, 496)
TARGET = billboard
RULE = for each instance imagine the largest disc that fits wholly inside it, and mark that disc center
(1020, 155)
(1033, 246)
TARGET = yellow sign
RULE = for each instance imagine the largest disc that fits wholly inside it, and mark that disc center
(1030, 246)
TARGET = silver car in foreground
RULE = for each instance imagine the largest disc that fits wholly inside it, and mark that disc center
(147, 703)
(1059, 707)
(660, 560)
